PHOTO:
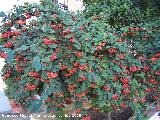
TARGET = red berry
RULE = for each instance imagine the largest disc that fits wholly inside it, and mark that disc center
(16, 33)
(6, 76)
(3, 55)
(31, 87)
(83, 67)
(157, 73)
(123, 105)
(106, 88)
(71, 40)
(157, 55)
(69, 56)
(115, 78)
(81, 27)
(8, 44)
(78, 110)
(84, 78)
(112, 50)
(52, 75)
(146, 68)
(18, 68)
(142, 58)
(8, 23)
(115, 97)
(134, 68)
(18, 78)
(66, 32)
(153, 59)
(78, 54)
(119, 40)
(27, 15)
(143, 100)
(125, 92)
(76, 64)
(86, 118)
(33, 74)
(153, 81)
(21, 22)
(93, 85)
(121, 56)
(47, 41)
(124, 80)
(126, 86)
(135, 100)
(103, 44)
(63, 67)
(55, 16)
(99, 47)
(53, 57)
(72, 71)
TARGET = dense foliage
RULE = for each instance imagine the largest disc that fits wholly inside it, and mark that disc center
(58, 58)
(153, 5)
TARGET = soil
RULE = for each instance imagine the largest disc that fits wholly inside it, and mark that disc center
(122, 115)
(95, 115)
(116, 115)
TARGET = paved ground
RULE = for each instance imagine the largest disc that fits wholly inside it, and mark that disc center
(5, 107)
(4, 103)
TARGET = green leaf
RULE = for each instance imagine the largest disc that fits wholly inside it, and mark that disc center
(50, 90)
(44, 75)
(102, 103)
(83, 87)
(69, 36)
(140, 75)
(56, 68)
(78, 46)
(10, 56)
(82, 60)
(44, 67)
(2, 39)
(24, 47)
(135, 83)
(47, 59)
(117, 68)
(155, 67)
(110, 95)
(36, 63)
(35, 105)
(72, 59)
(123, 49)
(53, 46)
(44, 96)
(49, 109)
(81, 73)
(33, 47)
(50, 66)
(93, 77)
(51, 36)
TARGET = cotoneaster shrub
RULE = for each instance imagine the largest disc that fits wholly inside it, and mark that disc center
(61, 59)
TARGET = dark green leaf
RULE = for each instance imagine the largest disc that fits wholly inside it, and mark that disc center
(53, 46)
(36, 63)
(117, 68)
(24, 47)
